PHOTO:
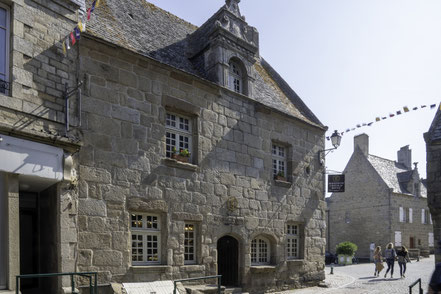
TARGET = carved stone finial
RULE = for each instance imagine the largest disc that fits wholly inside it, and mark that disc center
(416, 165)
(233, 6)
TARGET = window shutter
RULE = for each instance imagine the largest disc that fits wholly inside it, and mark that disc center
(431, 243)
(410, 215)
(401, 214)
(422, 216)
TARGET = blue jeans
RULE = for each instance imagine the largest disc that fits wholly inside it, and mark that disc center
(390, 266)
(402, 268)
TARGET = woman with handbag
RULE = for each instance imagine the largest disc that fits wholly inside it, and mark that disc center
(403, 258)
(378, 261)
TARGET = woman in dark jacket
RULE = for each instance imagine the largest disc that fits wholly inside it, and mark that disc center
(403, 258)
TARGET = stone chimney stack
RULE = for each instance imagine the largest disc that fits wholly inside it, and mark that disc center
(405, 157)
(362, 142)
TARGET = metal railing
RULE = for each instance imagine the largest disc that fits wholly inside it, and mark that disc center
(92, 289)
(414, 284)
(219, 279)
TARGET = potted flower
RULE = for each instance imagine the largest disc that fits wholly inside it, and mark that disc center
(183, 155)
(280, 176)
(346, 251)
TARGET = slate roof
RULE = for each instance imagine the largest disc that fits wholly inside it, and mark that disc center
(146, 29)
(395, 175)
(434, 133)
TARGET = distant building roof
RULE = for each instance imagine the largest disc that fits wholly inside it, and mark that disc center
(146, 29)
(395, 175)
(434, 133)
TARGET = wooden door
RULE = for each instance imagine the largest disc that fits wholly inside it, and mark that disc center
(227, 258)
(411, 242)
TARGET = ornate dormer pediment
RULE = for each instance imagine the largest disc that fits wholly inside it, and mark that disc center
(225, 36)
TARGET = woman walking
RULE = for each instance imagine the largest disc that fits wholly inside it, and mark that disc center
(403, 258)
(377, 261)
(390, 256)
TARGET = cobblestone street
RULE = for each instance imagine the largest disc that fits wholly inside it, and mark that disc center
(359, 278)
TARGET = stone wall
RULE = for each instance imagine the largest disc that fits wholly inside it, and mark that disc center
(123, 169)
(368, 211)
(34, 108)
(434, 190)
(360, 214)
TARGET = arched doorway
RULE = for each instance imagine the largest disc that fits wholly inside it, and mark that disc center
(228, 260)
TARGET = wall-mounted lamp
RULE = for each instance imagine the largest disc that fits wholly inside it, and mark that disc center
(335, 140)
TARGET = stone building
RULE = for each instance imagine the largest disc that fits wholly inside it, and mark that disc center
(433, 147)
(184, 155)
(384, 201)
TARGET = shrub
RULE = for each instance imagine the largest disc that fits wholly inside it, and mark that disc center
(346, 248)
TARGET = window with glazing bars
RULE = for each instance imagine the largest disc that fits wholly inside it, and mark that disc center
(146, 239)
(178, 133)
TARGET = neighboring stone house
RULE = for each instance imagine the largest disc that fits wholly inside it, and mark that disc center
(433, 147)
(99, 184)
(384, 201)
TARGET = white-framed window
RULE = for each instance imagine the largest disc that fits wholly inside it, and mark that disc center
(292, 241)
(146, 239)
(190, 243)
(423, 216)
(4, 48)
(279, 160)
(402, 214)
(410, 215)
(178, 133)
(235, 77)
(260, 251)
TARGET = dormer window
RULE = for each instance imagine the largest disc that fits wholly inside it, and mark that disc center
(235, 77)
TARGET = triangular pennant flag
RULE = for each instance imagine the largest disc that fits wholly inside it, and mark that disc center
(423, 106)
(391, 114)
(77, 33)
(342, 133)
(88, 13)
(327, 138)
(369, 124)
(72, 37)
(358, 126)
(64, 49)
(377, 119)
(352, 129)
(93, 5)
(406, 109)
(80, 25)
(384, 117)
(347, 130)
(97, 3)
(415, 108)
(432, 106)
(398, 112)
(67, 43)
(364, 124)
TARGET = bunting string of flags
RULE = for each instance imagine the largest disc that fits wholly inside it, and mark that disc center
(75, 35)
(381, 118)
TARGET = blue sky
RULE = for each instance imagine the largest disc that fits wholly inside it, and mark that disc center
(350, 61)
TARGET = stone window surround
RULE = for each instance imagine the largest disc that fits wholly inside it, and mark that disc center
(235, 81)
(262, 245)
(8, 31)
(182, 128)
(244, 79)
(293, 236)
(144, 232)
(181, 107)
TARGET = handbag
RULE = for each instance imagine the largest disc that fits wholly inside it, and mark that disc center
(380, 266)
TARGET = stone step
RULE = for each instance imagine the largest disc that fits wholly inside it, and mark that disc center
(233, 291)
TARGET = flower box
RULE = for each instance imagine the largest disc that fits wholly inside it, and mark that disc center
(280, 178)
(180, 158)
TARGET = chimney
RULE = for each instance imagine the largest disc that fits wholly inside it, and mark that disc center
(405, 157)
(362, 142)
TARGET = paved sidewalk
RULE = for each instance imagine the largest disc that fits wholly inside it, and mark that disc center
(359, 279)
